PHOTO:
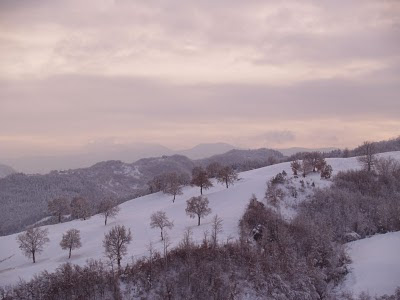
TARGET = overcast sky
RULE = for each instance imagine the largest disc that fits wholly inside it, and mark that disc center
(251, 73)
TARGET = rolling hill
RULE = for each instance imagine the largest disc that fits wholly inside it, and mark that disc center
(227, 203)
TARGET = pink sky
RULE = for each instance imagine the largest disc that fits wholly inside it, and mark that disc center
(251, 73)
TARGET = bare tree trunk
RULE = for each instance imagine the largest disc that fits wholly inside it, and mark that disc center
(198, 224)
(59, 218)
(173, 201)
(201, 190)
(162, 237)
(70, 248)
(33, 256)
(226, 181)
(105, 220)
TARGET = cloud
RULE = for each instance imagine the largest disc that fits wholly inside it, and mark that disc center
(182, 72)
(278, 137)
(207, 41)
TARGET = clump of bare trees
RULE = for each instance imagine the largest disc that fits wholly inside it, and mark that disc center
(359, 201)
(116, 243)
(198, 206)
(213, 169)
(80, 208)
(108, 208)
(59, 207)
(162, 182)
(32, 241)
(160, 220)
(312, 162)
(200, 178)
(71, 240)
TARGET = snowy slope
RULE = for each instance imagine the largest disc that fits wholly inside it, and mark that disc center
(376, 265)
(135, 214)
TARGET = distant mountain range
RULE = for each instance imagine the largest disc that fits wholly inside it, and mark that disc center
(97, 152)
(23, 198)
(294, 150)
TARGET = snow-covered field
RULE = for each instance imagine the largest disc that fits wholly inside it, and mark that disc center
(135, 214)
(375, 266)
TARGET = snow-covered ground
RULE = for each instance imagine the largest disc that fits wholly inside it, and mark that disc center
(376, 265)
(135, 214)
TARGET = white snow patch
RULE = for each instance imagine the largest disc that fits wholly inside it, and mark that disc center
(376, 265)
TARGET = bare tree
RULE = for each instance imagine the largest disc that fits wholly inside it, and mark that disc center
(227, 175)
(198, 206)
(296, 167)
(320, 164)
(80, 208)
(216, 229)
(386, 165)
(213, 169)
(166, 244)
(115, 243)
(32, 241)
(187, 240)
(160, 220)
(200, 179)
(173, 185)
(306, 167)
(71, 240)
(368, 158)
(158, 183)
(109, 209)
(59, 207)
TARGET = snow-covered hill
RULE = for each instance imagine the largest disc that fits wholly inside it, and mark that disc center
(375, 268)
(135, 214)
